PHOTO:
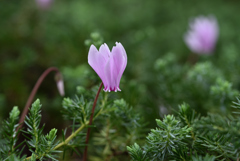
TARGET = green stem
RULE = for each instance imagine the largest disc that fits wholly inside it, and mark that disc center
(220, 148)
(186, 120)
(71, 136)
(182, 158)
(36, 136)
(67, 140)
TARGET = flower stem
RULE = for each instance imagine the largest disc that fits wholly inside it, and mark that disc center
(71, 136)
(90, 122)
(33, 93)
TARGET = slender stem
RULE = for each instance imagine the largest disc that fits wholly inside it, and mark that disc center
(90, 122)
(71, 136)
(33, 93)
(186, 120)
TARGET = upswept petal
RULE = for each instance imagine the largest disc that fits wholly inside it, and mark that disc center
(193, 42)
(109, 73)
(105, 51)
(120, 62)
(97, 61)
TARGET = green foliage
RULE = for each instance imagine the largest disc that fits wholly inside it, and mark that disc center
(33, 122)
(126, 114)
(236, 105)
(35, 42)
(76, 110)
(204, 73)
(35, 38)
(120, 126)
(205, 158)
(223, 89)
(13, 157)
(96, 39)
(136, 152)
(187, 115)
(161, 73)
(8, 136)
(166, 139)
(219, 134)
(213, 137)
(41, 146)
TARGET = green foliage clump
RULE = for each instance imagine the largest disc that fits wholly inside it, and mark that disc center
(164, 141)
(8, 136)
(77, 110)
(223, 90)
(136, 152)
(211, 137)
(120, 126)
(161, 73)
(205, 158)
(41, 146)
(116, 125)
(96, 39)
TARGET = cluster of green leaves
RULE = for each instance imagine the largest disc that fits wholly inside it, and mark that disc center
(203, 83)
(41, 146)
(8, 137)
(78, 111)
(36, 39)
(191, 137)
(120, 125)
(116, 125)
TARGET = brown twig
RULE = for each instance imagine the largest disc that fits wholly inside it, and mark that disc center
(90, 122)
(33, 93)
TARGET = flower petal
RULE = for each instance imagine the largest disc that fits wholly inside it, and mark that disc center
(120, 62)
(193, 42)
(109, 75)
(105, 51)
(97, 61)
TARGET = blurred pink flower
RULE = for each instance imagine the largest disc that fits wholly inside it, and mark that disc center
(109, 65)
(60, 83)
(44, 4)
(202, 35)
(60, 86)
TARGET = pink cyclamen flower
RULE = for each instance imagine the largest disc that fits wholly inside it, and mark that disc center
(202, 35)
(44, 4)
(109, 65)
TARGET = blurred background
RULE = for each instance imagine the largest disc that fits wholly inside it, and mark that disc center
(161, 72)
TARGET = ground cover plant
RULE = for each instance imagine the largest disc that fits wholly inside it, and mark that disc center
(138, 80)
